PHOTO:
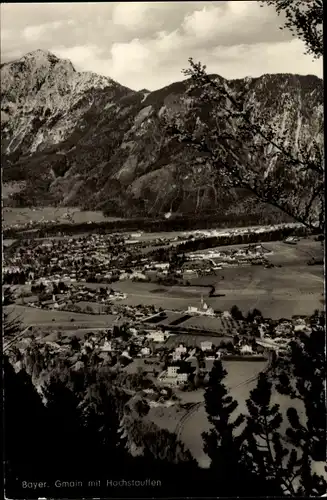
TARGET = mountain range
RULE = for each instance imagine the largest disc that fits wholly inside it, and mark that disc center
(82, 139)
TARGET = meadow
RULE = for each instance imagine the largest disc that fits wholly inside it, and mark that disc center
(294, 288)
(30, 316)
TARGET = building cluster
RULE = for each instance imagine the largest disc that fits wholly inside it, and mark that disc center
(203, 310)
(211, 260)
(93, 258)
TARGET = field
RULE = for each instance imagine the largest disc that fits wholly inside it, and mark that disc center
(12, 216)
(31, 316)
(294, 288)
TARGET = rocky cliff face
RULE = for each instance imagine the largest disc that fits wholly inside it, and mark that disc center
(83, 139)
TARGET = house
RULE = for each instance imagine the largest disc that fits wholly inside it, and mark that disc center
(246, 349)
(173, 377)
(172, 371)
(206, 346)
(176, 356)
(107, 346)
(226, 315)
(156, 336)
(181, 349)
(163, 265)
(192, 309)
(145, 351)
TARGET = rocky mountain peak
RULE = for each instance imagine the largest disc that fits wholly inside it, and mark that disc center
(83, 139)
(37, 91)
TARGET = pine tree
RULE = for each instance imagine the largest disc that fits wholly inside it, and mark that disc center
(303, 378)
(223, 442)
(67, 451)
(288, 468)
(263, 450)
(101, 421)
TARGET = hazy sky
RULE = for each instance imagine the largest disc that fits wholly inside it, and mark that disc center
(147, 44)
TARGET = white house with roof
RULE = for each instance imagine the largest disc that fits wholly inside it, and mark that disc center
(107, 346)
(181, 349)
(156, 335)
(145, 351)
(206, 346)
(178, 352)
(172, 371)
(246, 349)
(126, 354)
(173, 377)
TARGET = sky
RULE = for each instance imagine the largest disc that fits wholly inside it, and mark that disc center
(147, 44)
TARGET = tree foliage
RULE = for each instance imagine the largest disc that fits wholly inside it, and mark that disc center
(220, 443)
(241, 148)
(287, 459)
(304, 18)
(303, 378)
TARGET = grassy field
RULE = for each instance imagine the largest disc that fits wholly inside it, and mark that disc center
(283, 253)
(71, 331)
(294, 288)
(38, 317)
(21, 215)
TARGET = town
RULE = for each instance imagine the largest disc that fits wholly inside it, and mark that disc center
(162, 314)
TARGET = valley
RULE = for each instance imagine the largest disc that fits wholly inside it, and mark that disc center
(163, 265)
(122, 296)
